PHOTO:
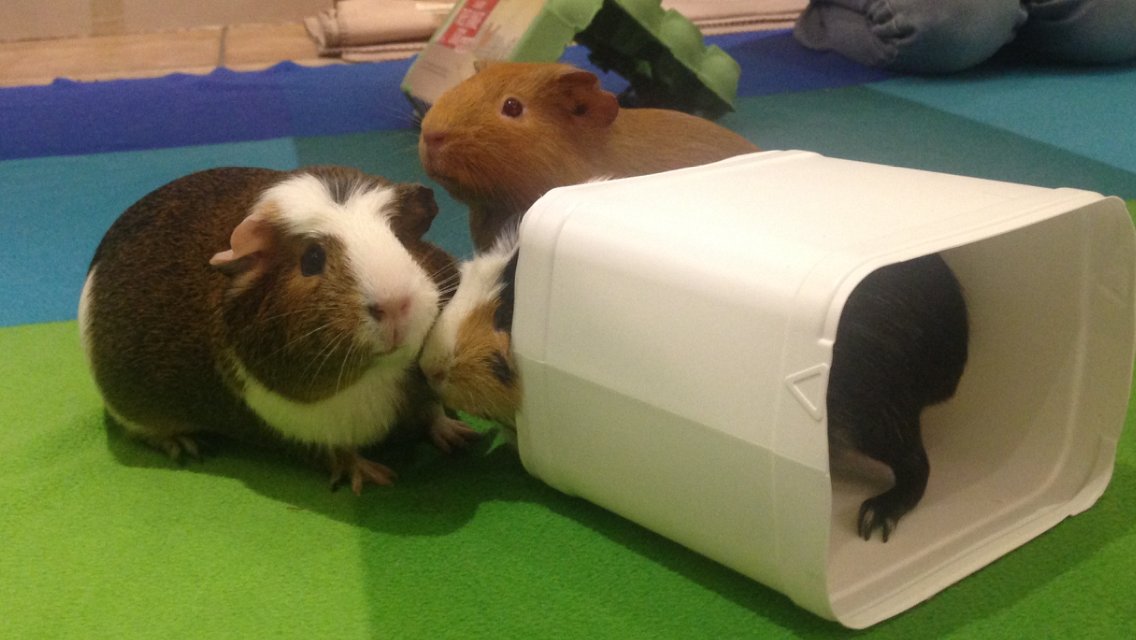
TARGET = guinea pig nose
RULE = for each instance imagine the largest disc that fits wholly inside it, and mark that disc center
(376, 312)
(433, 138)
(436, 376)
(390, 309)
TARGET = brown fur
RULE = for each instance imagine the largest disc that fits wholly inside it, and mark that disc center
(570, 131)
(482, 379)
(183, 394)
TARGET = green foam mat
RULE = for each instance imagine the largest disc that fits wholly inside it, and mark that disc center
(105, 538)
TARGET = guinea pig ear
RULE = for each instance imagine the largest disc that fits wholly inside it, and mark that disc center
(479, 65)
(249, 240)
(586, 100)
(415, 211)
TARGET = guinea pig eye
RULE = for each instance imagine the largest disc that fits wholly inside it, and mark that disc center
(313, 260)
(512, 108)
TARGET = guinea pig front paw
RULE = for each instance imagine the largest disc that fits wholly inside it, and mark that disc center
(349, 465)
(448, 433)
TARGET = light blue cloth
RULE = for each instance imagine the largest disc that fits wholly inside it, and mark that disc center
(1085, 31)
(937, 36)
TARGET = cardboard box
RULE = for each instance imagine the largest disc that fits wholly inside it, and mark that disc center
(659, 52)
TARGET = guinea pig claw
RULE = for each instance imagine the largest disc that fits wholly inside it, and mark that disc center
(180, 447)
(360, 470)
(448, 433)
(874, 516)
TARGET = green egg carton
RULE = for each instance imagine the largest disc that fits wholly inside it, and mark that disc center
(659, 52)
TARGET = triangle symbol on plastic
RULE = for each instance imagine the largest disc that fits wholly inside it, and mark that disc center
(809, 387)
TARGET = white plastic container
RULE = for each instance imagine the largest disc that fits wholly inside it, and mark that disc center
(674, 333)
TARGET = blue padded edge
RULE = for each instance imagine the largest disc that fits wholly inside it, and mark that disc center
(288, 100)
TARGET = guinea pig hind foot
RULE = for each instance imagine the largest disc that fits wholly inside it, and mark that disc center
(178, 441)
(884, 511)
(348, 466)
(179, 447)
(448, 433)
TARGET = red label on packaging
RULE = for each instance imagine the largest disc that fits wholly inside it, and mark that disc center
(467, 23)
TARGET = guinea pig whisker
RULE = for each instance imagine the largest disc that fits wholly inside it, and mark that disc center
(328, 352)
(410, 148)
(401, 152)
(292, 341)
(322, 358)
(286, 314)
(343, 367)
(450, 282)
(454, 277)
(410, 117)
(449, 285)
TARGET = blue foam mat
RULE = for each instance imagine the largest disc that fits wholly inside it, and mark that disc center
(1088, 111)
(74, 155)
(55, 210)
(70, 118)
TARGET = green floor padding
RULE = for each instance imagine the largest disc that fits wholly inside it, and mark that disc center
(104, 538)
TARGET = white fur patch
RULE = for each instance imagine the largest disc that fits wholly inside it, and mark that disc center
(364, 412)
(359, 415)
(85, 313)
(382, 267)
(480, 284)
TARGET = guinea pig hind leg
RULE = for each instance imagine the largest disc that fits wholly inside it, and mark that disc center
(348, 465)
(178, 446)
(908, 461)
(181, 446)
(176, 442)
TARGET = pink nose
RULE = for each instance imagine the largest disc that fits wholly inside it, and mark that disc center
(389, 311)
(436, 376)
(433, 139)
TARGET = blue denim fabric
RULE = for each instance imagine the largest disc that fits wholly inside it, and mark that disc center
(938, 36)
(1084, 31)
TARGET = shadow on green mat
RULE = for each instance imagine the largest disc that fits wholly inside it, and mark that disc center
(438, 494)
(413, 507)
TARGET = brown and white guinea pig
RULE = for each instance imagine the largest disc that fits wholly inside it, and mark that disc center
(512, 131)
(901, 346)
(467, 357)
(279, 308)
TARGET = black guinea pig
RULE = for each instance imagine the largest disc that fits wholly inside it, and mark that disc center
(901, 346)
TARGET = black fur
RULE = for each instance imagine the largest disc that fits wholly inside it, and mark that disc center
(501, 368)
(503, 316)
(901, 346)
(339, 184)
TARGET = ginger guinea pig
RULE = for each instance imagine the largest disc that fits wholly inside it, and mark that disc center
(280, 308)
(467, 357)
(511, 132)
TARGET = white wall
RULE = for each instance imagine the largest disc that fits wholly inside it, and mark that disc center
(36, 19)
